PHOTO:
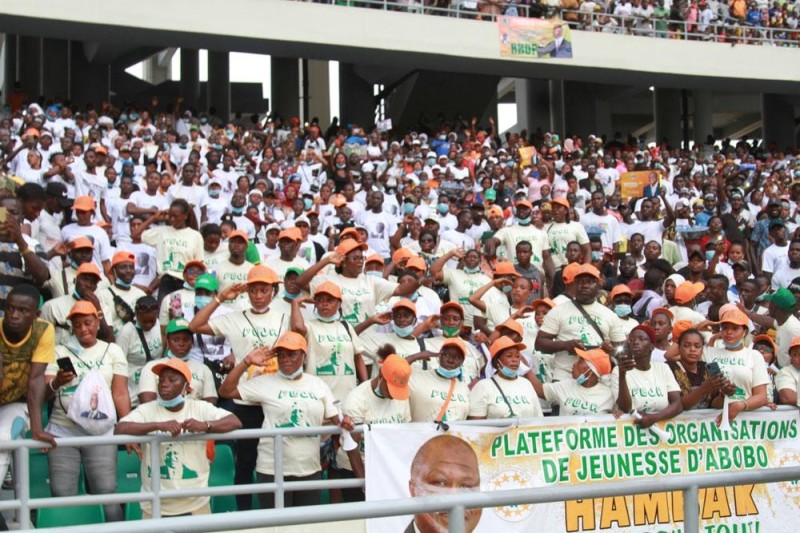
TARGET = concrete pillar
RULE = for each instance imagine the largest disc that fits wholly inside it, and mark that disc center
(219, 84)
(667, 114)
(190, 77)
(585, 113)
(319, 99)
(356, 101)
(285, 86)
(702, 115)
(10, 64)
(31, 66)
(89, 83)
(778, 121)
(56, 68)
(557, 108)
(533, 105)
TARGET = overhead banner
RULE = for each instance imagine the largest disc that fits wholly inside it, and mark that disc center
(419, 460)
(639, 184)
(524, 37)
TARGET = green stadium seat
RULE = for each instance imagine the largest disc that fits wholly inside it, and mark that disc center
(39, 470)
(133, 511)
(70, 516)
(221, 475)
(129, 477)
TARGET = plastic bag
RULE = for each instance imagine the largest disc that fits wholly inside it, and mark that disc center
(92, 407)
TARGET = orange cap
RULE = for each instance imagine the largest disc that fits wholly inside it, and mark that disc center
(568, 273)
(597, 359)
(620, 289)
(83, 203)
(417, 263)
(100, 149)
(123, 257)
(679, 327)
(82, 307)
(407, 304)
(505, 268)
(292, 341)
(688, 291)
(562, 202)
(178, 366)
(458, 343)
(735, 317)
(239, 233)
(348, 231)
(330, 288)
(197, 263)
(663, 311)
(544, 301)
(396, 371)
(768, 339)
(401, 254)
(345, 247)
(262, 274)
(338, 200)
(290, 233)
(89, 268)
(31, 132)
(524, 203)
(452, 305)
(495, 211)
(81, 242)
(504, 343)
(374, 258)
(587, 270)
(513, 325)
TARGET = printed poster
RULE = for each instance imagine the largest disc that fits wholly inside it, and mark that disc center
(419, 460)
(534, 38)
(639, 184)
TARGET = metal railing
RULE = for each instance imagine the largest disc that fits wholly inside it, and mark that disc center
(731, 31)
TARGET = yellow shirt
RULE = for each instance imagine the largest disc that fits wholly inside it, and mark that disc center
(16, 368)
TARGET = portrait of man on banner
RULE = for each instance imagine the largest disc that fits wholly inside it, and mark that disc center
(559, 46)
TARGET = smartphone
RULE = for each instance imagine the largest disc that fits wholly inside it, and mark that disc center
(65, 364)
(713, 369)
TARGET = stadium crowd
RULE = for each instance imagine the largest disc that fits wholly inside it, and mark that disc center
(732, 21)
(173, 272)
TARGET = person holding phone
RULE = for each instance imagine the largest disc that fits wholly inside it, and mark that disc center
(701, 384)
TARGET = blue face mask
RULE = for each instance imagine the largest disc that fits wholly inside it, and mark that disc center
(408, 209)
(507, 289)
(375, 273)
(623, 310)
(289, 296)
(326, 319)
(123, 118)
(414, 297)
(202, 301)
(710, 255)
(431, 161)
(214, 193)
(308, 203)
(597, 256)
(237, 210)
(176, 401)
(507, 372)
(403, 332)
(293, 375)
(72, 263)
(377, 390)
(122, 284)
(449, 374)
(187, 287)
(443, 208)
(583, 378)
(734, 345)
(524, 221)
(472, 270)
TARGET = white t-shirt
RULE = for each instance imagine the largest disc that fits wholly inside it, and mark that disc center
(56, 310)
(174, 248)
(128, 339)
(788, 378)
(380, 227)
(473, 362)
(194, 194)
(229, 274)
(428, 394)
(783, 275)
(509, 236)
(745, 368)
(773, 257)
(574, 399)
(648, 389)
(485, 400)
(117, 209)
(280, 266)
(365, 407)
(143, 200)
(498, 310)
(784, 334)
(606, 225)
(331, 355)
(102, 246)
(107, 358)
(183, 464)
(202, 383)
(566, 322)
(651, 230)
(462, 286)
(559, 235)
(360, 295)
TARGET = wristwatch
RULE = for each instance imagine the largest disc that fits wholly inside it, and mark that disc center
(208, 428)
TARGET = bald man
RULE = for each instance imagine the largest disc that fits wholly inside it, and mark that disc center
(443, 465)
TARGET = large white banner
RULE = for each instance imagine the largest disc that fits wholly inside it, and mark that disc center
(557, 451)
